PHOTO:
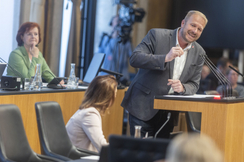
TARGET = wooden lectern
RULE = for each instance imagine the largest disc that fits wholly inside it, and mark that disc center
(222, 120)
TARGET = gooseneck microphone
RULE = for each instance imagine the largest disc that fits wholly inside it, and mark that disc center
(58, 82)
(15, 72)
(168, 117)
(219, 75)
(216, 73)
(236, 70)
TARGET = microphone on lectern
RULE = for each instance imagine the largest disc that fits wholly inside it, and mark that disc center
(168, 117)
(219, 75)
(236, 70)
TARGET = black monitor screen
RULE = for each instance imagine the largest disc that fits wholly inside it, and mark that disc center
(2, 68)
(94, 67)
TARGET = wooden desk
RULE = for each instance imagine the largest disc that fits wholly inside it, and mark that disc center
(69, 101)
(222, 121)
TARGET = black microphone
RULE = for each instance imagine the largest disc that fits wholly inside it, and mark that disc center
(236, 70)
(213, 70)
(225, 80)
(52, 84)
(219, 75)
(15, 72)
(221, 78)
(168, 117)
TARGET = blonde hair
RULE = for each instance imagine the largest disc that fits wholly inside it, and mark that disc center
(193, 147)
(100, 93)
(192, 12)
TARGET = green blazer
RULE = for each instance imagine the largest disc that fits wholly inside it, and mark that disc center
(20, 61)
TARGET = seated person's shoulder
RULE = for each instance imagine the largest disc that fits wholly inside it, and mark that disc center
(89, 112)
(92, 110)
(160, 30)
(16, 51)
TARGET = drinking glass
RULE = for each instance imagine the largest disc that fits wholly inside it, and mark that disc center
(77, 82)
(137, 131)
(27, 83)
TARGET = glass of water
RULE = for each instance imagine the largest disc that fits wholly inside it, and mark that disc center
(137, 131)
(27, 83)
(77, 82)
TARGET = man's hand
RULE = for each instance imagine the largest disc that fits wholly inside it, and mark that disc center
(173, 53)
(176, 85)
(34, 51)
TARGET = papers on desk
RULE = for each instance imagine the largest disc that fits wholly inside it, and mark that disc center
(191, 96)
(44, 85)
(82, 87)
(92, 157)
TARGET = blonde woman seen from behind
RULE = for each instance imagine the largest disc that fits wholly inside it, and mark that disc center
(85, 126)
(193, 148)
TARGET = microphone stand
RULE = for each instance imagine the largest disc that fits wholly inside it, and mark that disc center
(226, 81)
(117, 76)
(219, 75)
(168, 117)
(216, 74)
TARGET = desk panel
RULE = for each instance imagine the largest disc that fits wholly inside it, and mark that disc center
(69, 102)
(223, 122)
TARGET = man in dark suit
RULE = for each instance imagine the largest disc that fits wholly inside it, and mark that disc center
(169, 62)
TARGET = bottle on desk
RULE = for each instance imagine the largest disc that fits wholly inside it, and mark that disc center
(36, 84)
(72, 79)
(137, 131)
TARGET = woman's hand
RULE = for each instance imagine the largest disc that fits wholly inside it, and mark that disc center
(34, 51)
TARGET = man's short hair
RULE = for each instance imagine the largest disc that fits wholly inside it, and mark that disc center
(192, 12)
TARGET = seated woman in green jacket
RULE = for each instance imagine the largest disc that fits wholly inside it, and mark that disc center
(25, 57)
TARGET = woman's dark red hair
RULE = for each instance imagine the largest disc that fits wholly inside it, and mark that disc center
(25, 28)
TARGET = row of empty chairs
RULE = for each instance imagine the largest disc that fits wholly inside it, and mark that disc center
(54, 140)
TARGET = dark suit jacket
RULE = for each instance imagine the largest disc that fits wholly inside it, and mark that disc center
(154, 72)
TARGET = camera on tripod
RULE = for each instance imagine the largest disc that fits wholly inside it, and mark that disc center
(128, 16)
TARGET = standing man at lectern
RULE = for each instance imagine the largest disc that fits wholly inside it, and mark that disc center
(170, 63)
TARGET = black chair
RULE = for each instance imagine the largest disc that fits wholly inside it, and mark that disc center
(104, 153)
(129, 149)
(14, 145)
(193, 121)
(53, 136)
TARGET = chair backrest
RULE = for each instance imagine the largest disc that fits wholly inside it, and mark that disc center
(53, 136)
(129, 149)
(13, 140)
(104, 154)
(193, 121)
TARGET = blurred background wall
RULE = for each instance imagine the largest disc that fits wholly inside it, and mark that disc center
(62, 45)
